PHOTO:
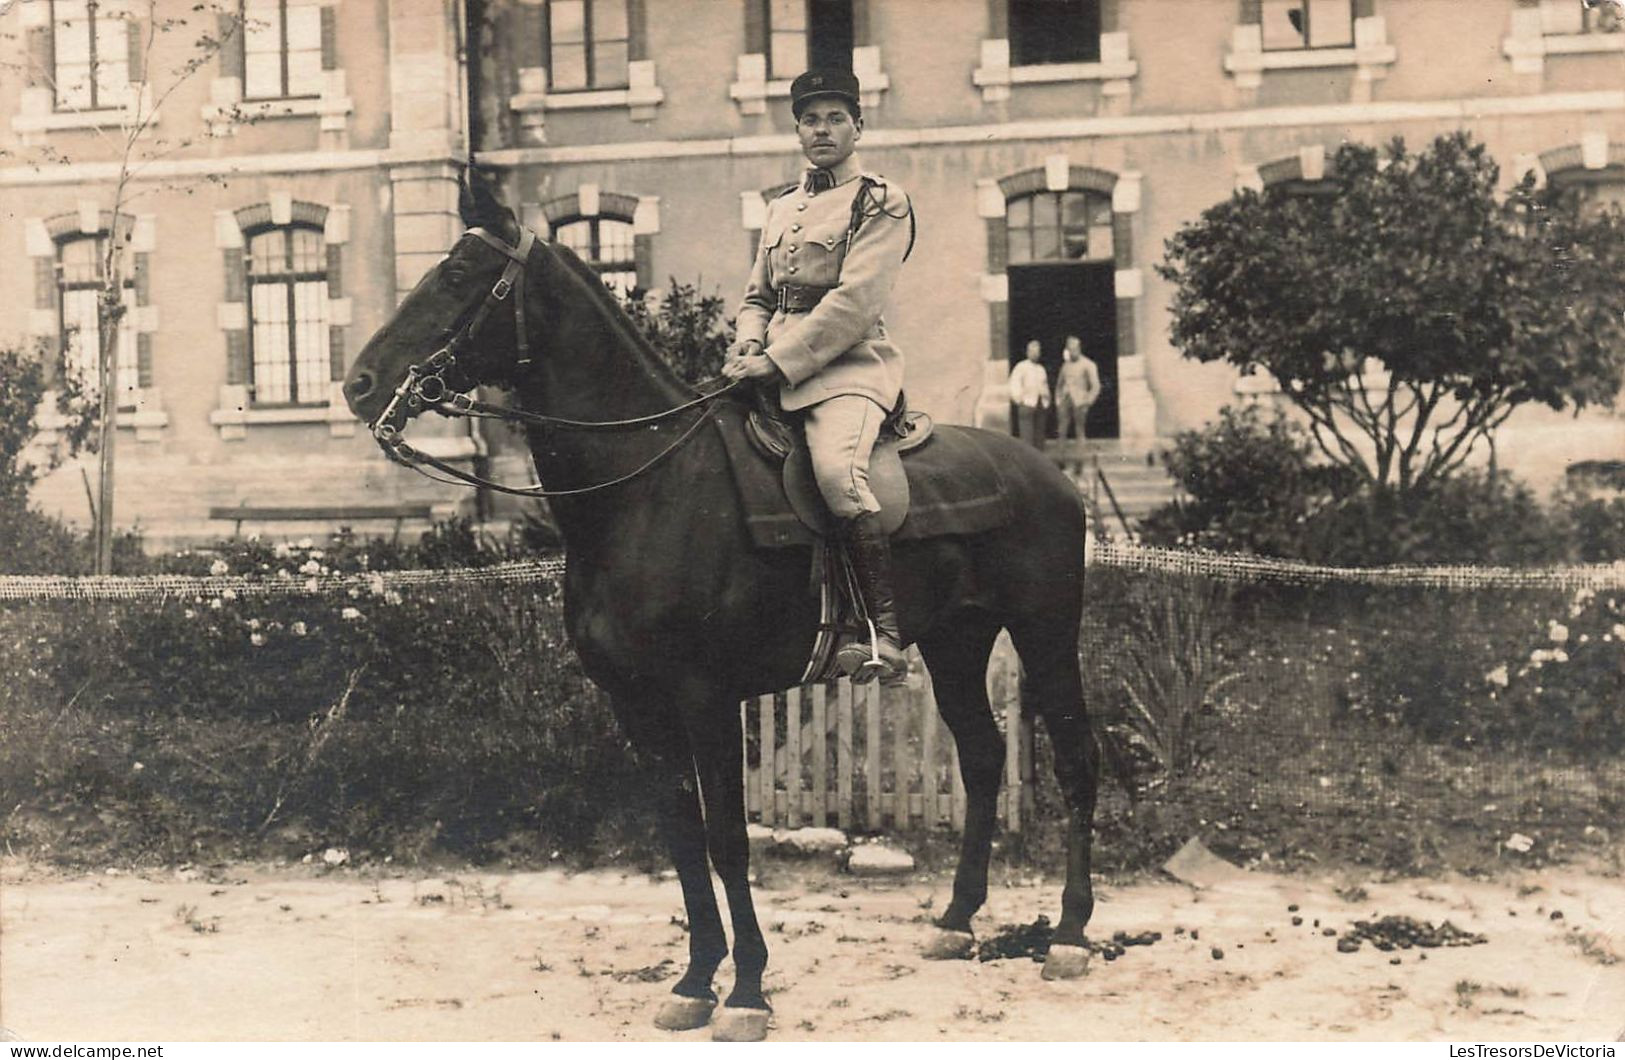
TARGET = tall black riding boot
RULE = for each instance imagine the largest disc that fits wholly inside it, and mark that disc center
(880, 654)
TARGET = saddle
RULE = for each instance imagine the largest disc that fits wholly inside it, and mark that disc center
(778, 438)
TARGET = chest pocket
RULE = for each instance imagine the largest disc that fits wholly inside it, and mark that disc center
(816, 253)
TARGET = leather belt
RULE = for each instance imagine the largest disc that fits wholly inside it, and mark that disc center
(797, 298)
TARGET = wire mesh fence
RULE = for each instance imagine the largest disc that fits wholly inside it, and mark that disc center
(1410, 718)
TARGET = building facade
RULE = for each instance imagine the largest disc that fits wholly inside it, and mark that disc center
(1049, 147)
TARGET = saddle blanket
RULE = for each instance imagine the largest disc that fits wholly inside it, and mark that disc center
(954, 487)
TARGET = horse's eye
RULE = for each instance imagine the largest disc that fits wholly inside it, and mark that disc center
(454, 277)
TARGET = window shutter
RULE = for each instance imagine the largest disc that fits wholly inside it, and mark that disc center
(1110, 16)
(860, 23)
(756, 27)
(41, 56)
(330, 53)
(998, 19)
(1252, 12)
(231, 44)
(530, 35)
(1364, 8)
(44, 283)
(335, 274)
(143, 360)
(137, 49)
(637, 30)
(143, 279)
(335, 352)
(643, 252)
(236, 358)
(235, 274)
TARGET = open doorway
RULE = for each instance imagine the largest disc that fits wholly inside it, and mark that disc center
(1050, 301)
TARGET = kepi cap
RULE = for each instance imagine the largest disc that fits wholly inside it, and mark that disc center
(814, 83)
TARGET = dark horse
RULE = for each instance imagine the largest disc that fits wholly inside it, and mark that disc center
(677, 617)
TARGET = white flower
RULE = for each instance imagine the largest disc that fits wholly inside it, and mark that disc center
(305, 542)
(284, 574)
(298, 629)
(392, 597)
(138, 767)
(257, 639)
(189, 613)
(219, 567)
(349, 614)
(1520, 842)
(375, 583)
(312, 585)
(282, 551)
(310, 566)
(1618, 631)
(228, 594)
(317, 554)
(253, 623)
(1560, 656)
(214, 605)
(1497, 676)
(1557, 631)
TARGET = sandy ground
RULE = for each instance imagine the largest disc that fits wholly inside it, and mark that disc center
(261, 953)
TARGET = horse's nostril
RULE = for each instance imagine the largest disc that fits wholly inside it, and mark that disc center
(361, 385)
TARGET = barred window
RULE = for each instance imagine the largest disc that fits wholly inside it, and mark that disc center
(1054, 31)
(606, 244)
(287, 311)
(1294, 24)
(807, 34)
(282, 49)
(1060, 226)
(589, 42)
(80, 271)
(92, 57)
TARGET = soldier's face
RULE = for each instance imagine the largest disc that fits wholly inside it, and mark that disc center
(828, 131)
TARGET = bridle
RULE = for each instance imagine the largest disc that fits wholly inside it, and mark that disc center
(425, 388)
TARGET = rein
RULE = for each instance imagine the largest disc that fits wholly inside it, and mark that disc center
(425, 388)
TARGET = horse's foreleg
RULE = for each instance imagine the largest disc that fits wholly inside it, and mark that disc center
(664, 748)
(721, 780)
(1050, 655)
(957, 659)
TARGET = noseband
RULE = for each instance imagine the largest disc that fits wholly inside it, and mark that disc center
(425, 387)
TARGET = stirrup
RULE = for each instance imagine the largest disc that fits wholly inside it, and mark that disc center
(871, 667)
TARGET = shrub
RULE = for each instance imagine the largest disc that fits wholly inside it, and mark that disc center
(686, 328)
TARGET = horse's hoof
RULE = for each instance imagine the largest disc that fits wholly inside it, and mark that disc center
(684, 1013)
(1066, 962)
(740, 1025)
(947, 945)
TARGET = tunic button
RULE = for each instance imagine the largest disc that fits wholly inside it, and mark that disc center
(794, 247)
(792, 268)
(801, 206)
(795, 228)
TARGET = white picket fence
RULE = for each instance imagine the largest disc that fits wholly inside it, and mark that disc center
(868, 758)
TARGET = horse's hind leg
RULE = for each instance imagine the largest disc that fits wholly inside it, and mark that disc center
(1048, 647)
(663, 748)
(957, 657)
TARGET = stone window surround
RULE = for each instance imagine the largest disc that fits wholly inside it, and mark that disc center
(1371, 56)
(533, 100)
(227, 108)
(235, 412)
(41, 236)
(37, 111)
(752, 88)
(588, 200)
(1115, 70)
(1528, 43)
(1136, 403)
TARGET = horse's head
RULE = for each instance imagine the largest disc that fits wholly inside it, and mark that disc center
(458, 327)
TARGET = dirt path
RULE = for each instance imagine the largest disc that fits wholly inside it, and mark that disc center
(255, 953)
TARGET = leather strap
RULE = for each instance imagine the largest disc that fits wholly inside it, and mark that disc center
(798, 298)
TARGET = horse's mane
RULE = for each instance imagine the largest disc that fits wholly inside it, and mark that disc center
(593, 287)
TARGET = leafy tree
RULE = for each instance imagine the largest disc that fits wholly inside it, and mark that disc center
(1404, 307)
(685, 327)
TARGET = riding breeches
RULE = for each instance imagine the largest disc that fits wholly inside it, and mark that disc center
(841, 434)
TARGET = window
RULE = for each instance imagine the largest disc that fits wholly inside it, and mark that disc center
(1060, 226)
(79, 272)
(282, 49)
(806, 34)
(1575, 17)
(289, 362)
(1292, 24)
(590, 44)
(607, 245)
(92, 58)
(1054, 31)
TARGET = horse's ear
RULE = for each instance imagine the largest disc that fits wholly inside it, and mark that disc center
(478, 205)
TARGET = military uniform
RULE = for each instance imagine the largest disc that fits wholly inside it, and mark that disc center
(823, 274)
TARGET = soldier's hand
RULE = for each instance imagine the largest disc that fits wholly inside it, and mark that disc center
(752, 366)
(744, 348)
